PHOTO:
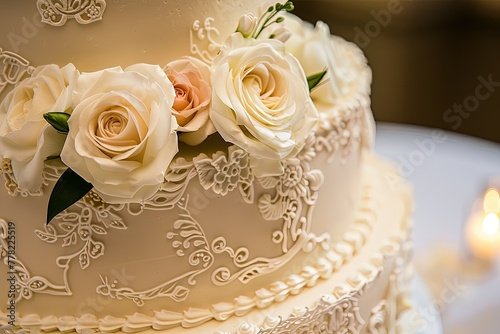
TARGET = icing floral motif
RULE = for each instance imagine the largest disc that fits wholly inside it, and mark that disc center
(12, 68)
(57, 12)
(207, 34)
(90, 217)
(263, 298)
(224, 174)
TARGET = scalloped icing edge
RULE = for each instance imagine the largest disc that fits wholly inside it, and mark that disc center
(308, 277)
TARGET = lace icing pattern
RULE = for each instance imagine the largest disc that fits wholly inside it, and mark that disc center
(58, 12)
(335, 313)
(296, 189)
(290, 198)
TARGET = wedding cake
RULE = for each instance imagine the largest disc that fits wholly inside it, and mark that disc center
(192, 166)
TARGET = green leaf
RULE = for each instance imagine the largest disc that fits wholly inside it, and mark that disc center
(58, 120)
(314, 79)
(69, 189)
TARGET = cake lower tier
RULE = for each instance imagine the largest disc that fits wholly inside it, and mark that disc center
(356, 285)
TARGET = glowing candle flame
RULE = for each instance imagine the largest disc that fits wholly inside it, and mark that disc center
(483, 227)
(491, 224)
(491, 201)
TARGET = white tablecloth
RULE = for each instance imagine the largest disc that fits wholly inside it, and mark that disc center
(448, 172)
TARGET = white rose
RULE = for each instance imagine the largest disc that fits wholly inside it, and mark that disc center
(122, 134)
(346, 85)
(282, 34)
(25, 137)
(191, 80)
(260, 98)
(316, 49)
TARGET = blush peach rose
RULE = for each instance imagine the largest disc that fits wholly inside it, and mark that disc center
(191, 80)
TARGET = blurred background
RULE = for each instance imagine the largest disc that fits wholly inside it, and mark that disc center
(435, 63)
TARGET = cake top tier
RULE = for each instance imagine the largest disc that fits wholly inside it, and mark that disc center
(114, 89)
(103, 33)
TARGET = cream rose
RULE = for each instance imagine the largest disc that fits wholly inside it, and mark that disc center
(346, 85)
(25, 137)
(261, 99)
(122, 134)
(316, 49)
(191, 80)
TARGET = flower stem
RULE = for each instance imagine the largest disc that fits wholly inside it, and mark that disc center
(268, 16)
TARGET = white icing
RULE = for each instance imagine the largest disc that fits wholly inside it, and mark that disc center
(270, 322)
(346, 250)
(64, 324)
(296, 283)
(311, 275)
(110, 324)
(243, 305)
(167, 319)
(280, 291)
(137, 322)
(335, 259)
(263, 298)
(196, 316)
(222, 311)
(57, 12)
(87, 322)
(248, 329)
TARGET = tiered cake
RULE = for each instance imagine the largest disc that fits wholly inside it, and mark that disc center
(192, 167)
